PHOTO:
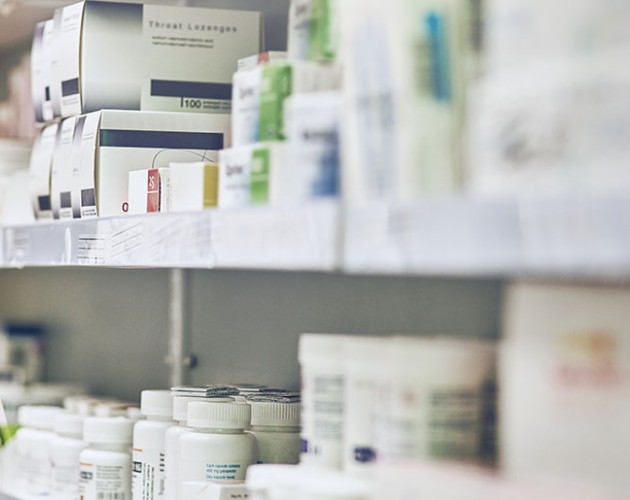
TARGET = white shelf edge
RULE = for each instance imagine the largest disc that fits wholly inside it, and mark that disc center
(296, 238)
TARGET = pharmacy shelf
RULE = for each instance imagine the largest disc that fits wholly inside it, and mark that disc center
(300, 238)
(572, 237)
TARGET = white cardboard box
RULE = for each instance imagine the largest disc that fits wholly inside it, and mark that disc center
(41, 71)
(61, 173)
(246, 106)
(175, 58)
(116, 142)
(565, 384)
(40, 171)
(193, 186)
(234, 170)
(144, 191)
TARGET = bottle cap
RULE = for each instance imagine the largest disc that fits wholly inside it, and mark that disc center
(69, 425)
(211, 414)
(275, 414)
(156, 403)
(112, 430)
(38, 417)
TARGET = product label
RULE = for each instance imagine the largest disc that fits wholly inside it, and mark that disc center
(359, 433)
(245, 107)
(276, 86)
(68, 52)
(322, 418)
(65, 480)
(225, 471)
(234, 170)
(148, 475)
(260, 177)
(105, 482)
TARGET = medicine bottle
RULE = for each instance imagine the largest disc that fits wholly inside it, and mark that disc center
(322, 365)
(148, 445)
(105, 466)
(171, 445)
(276, 426)
(218, 448)
(65, 449)
(33, 443)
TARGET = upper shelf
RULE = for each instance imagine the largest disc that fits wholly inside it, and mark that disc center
(302, 238)
(585, 237)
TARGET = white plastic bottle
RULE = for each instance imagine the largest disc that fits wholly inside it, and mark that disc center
(171, 445)
(33, 448)
(105, 466)
(148, 445)
(218, 448)
(276, 426)
(322, 365)
(64, 456)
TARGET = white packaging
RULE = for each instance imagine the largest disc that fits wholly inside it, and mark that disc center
(217, 449)
(61, 171)
(361, 387)
(275, 481)
(269, 180)
(325, 485)
(322, 366)
(246, 106)
(64, 456)
(312, 122)
(165, 189)
(567, 354)
(194, 186)
(144, 191)
(299, 30)
(404, 98)
(203, 490)
(276, 426)
(105, 467)
(234, 172)
(33, 442)
(251, 62)
(41, 71)
(431, 403)
(132, 140)
(202, 47)
(171, 446)
(40, 171)
(149, 471)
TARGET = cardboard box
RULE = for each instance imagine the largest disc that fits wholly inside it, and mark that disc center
(313, 30)
(313, 122)
(144, 191)
(175, 58)
(194, 186)
(565, 384)
(269, 183)
(116, 142)
(41, 71)
(234, 172)
(246, 106)
(40, 171)
(279, 81)
(404, 86)
(61, 172)
(251, 62)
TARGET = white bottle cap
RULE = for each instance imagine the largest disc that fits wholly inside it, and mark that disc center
(70, 403)
(275, 414)
(38, 417)
(69, 425)
(112, 430)
(180, 407)
(212, 414)
(156, 403)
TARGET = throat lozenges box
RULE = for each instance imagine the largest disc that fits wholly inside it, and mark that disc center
(110, 55)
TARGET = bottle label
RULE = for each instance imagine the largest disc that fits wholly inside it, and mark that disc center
(148, 476)
(104, 482)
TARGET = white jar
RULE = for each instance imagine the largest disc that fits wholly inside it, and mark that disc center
(218, 448)
(362, 381)
(432, 405)
(105, 466)
(64, 456)
(171, 445)
(33, 447)
(321, 360)
(276, 426)
(148, 445)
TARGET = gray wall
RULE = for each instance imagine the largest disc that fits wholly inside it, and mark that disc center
(108, 328)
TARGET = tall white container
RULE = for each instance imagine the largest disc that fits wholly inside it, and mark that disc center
(149, 472)
(64, 456)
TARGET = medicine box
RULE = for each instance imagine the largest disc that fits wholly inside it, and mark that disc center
(40, 170)
(194, 186)
(114, 142)
(131, 56)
